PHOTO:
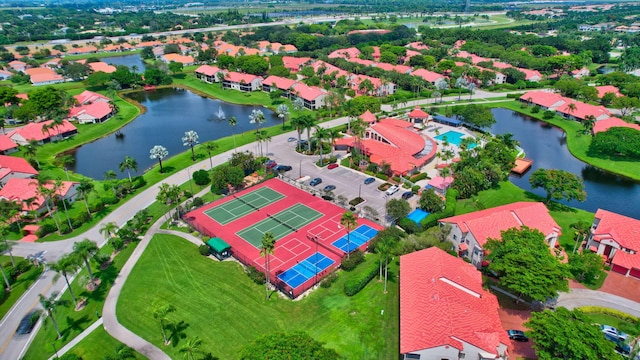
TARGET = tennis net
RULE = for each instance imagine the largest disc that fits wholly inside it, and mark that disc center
(246, 202)
(282, 222)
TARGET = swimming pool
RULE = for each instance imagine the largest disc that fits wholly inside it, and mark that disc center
(417, 215)
(453, 137)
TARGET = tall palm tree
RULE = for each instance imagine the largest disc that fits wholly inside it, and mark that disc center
(298, 123)
(50, 304)
(191, 348)
(268, 245)
(283, 113)
(5, 246)
(43, 190)
(129, 164)
(233, 122)
(349, 221)
(588, 123)
(84, 189)
(384, 246)
(160, 313)
(257, 117)
(571, 108)
(158, 152)
(122, 353)
(309, 122)
(86, 249)
(190, 139)
(31, 151)
(321, 135)
(333, 133)
(67, 265)
(108, 230)
(298, 104)
(59, 197)
(211, 147)
(65, 161)
(4, 276)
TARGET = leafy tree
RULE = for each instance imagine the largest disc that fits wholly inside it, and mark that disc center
(359, 105)
(76, 71)
(558, 184)
(586, 267)
(565, 334)
(430, 201)
(175, 67)
(627, 105)
(129, 164)
(607, 143)
(349, 221)
(474, 114)
(525, 265)
(147, 53)
(245, 161)
(50, 304)
(86, 249)
(268, 243)
(158, 152)
(513, 75)
(225, 175)
(252, 64)
(398, 209)
(296, 345)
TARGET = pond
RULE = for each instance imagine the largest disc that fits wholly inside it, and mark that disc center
(128, 60)
(170, 113)
(546, 146)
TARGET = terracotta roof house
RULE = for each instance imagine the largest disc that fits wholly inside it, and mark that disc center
(394, 142)
(471, 231)
(369, 31)
(4, 74)
(349, 53)
(21, 190)
(183, 59)
(272, 83)
(618, 238)
(37, 132)
(380, 88)
(580, 73)
(445, 313)
(18, 65)
(88, 97)
(7, 146)
(440, 184)
(418, 45)
(208, 73)
(368, 117)
(295, 64)
(429, 76)
(117, 47)
(312, 96)
(545, 99)
(240, 81)
(581, 110)
(606, 124)
(82, 50)
(158, 51)
(53, 63)
(602, 90)
(15, 167)
(531, 75)
(102, 66)
(92, 113)
(418, 116)
(143, 44)
(44, 76)
(363, 62)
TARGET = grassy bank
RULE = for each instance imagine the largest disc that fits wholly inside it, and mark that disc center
(217, 302)
(19, 286)
(99, 345)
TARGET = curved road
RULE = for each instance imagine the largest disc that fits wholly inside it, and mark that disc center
(585, 297)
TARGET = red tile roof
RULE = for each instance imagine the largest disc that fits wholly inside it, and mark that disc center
(606, 124)
(90, 96)
(19, 190)
(543, 98)
(623, 230)
(102, 66)
(279, 82)
(349, 53)
(308, 93)
(33, 131)
(184, 59)
(207, 70)
(368, 117)
(582, 110)
(441, 183)
(16, 164)
(429, 76)
(418, 113)
(444, 304)
(96, 110)
(240, 77)
(607, 89)
(489, 223)
(295, 63)
(417, 45)
(39, 75)
(6, 143)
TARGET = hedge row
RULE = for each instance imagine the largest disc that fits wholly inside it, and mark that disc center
(418, 177)
(449, 210)
(611, 312)
(358, 282)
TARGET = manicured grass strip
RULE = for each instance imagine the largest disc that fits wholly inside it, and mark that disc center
(227, 311)
(98, 345)
(22, 284)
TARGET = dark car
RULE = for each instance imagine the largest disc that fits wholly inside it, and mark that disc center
(329, 187)
(332, 166)
(271, 164)
(27, 323)
(517, 335)
(407, 195)
(291, 139)
(369, 180)
(315, 181)
(282, 168)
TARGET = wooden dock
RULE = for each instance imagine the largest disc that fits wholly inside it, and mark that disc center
(522, 165)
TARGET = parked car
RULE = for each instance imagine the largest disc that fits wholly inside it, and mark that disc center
(622, 348)
(392, 190)
(332, 166)
(315, 181)
(369, 180)
(610, 330)
(271, 164)
(291, 139)
(407, 195)
(27, 323)
(329, 188)
(282, 168)
(517, 335)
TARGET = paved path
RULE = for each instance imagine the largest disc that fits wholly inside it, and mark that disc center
(585, 297)
(77, 339)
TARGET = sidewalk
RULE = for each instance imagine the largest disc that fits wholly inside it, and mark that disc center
(77, 339)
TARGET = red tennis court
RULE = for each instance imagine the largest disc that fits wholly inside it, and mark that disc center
(306, 228)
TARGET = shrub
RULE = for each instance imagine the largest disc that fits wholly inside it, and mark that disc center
(197, 201)
(329, 280)
(110, 199)
(535, 109)
(611, 312)
(203, 249)
(382, 177)
(201, 177)
(548, 115)
(102, 258)
(415, 189)
(46, 229)
(256, 276)
(358, 282)
(64, 228)
(20, 268)
(96, 206)
(80, 220)
(351, 262)
(139, 182)
(408, 225)
(418, 177)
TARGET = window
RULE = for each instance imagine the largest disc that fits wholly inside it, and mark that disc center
(467, 241)
(412, 356)
(455, 237)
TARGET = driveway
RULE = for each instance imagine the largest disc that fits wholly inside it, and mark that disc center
(585, 297)
(514, 320)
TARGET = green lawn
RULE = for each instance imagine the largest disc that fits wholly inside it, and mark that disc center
(98, 345)
(217, 302)
(22, 284)
(622, 325)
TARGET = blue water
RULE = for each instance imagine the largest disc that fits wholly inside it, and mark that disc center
(453, 137)
(417, 215)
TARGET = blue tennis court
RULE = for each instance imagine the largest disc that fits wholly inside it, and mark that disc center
(305, 270)
(358, 236)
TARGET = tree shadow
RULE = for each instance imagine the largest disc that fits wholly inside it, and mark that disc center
(179, 76)
(200, 156)
(168, 169)
(178, 332)
(78, 325)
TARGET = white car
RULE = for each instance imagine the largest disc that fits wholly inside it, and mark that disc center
(614, 332)
(392, 190)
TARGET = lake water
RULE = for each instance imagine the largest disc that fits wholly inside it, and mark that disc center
(546, 146)
(128, 60)
(170, 113)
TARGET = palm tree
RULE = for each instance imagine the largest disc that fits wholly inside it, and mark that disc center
(571, 108)
(460, 84)
(59, 197)
(84, 189)
(190, 139)
(31, 151)
(50, 304)
(191, 348)
(158, 152)
(233, 122)
(5, 246)
(283, 113)
(65, 266)
(309, 123)
(471, 87)
(298, 123)
(64, 161)
(334, 133)
(129, 164)
(211, 147)
(588, 123)
(298, 104)
(384, 248)
(86, 249)
(441, 85)
(268, 245)
(349, 221)
(110, 175)
(108, 230)
(508, 140)
(45, 192)
(122, 353)
(160, 313)
(4, 276)
(321, 135)
(257, 117)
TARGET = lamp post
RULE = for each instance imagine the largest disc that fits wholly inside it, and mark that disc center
(55, 350)
(300, 167)
(359, 190)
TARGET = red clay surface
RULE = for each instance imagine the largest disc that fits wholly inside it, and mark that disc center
(514, 320)
(290, 249)
(617, 284)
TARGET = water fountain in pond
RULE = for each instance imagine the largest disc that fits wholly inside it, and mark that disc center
(221, 115)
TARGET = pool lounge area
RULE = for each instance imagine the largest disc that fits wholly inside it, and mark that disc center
(454, 137)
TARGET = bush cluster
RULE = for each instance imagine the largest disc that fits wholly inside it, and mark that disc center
(611, 312)
(409, 226)
(358, 282)
(329, 280)
(203, 249)
(256, 276)
(20, 268)
(201, 177)
(351, 262)
(449, 210)
(418, 177)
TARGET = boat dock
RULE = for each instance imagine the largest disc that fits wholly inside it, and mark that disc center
(522, 166)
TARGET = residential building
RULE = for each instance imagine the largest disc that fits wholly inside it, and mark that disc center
(606, 124)
(92, 113)
(25, 192)
(102, 66)
(42, 135)
(44, 76)
(567, 107)
(418, 116)
(295, 64)
(617, 238)
(312, 96)
(4, 74)
(379, 87)
(208, 73)
(240, 81)
(273, 83)
(185, 60)
(14, 167)
(89, 97)
(602, 90)
(18, 65)
(470, 232)
(429, 76)
(7, 146)
(445, 313)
